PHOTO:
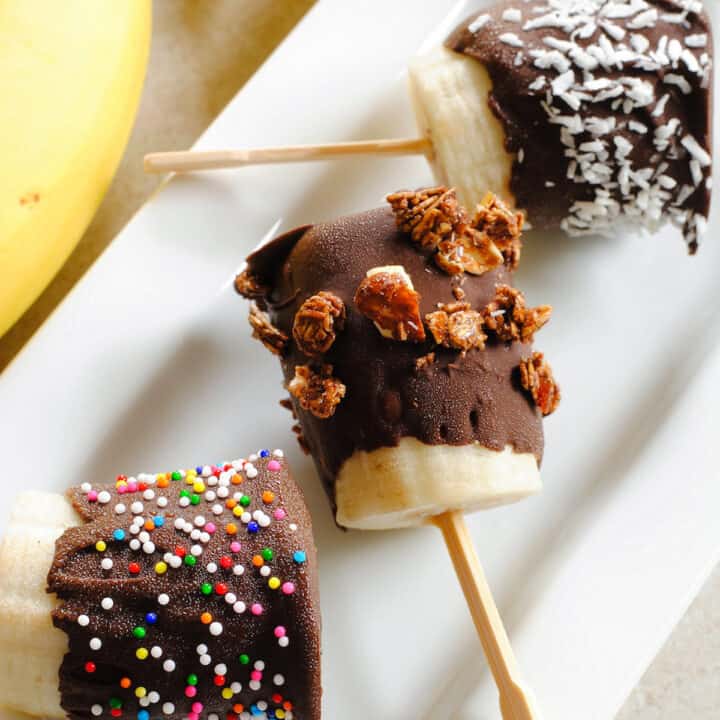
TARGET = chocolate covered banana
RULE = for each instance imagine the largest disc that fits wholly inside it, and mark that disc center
(590, 115)
(407, 354)
(186, 594)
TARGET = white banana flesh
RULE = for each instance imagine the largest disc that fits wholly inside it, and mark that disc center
(31, 649)
(450, 95)
(413, 482)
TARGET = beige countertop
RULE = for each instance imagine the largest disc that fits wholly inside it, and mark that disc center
(203, 51)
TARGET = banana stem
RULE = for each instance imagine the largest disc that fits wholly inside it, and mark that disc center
(516, 702)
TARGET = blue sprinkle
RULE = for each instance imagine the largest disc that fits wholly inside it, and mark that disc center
(159, 521)
(255, 710)
(151, 618)
(264, 453)
(299, 557)
(198, 469)
(253, 527)
(143, 715)
(119, 534)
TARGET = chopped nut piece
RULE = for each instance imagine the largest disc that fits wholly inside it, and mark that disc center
(430, 216)
(302, 442)
(424, 362)
(248, 285)
(537, 378)
(502, 226)
(387, 297)
(510, 320)
(274, 339)
(288, 405)
(457, 326)
(317, 322)
(436, 221)
(317, 392)
(458, 293)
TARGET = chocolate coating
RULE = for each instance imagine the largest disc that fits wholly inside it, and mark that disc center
(455, 400)
(81, 585)
(549, 130)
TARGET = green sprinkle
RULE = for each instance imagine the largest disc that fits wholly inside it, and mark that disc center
(184, 493)
(244, 659)
(190, 560)
(115, 703)
(244, 500)
(206, 588)
(267, 554)
(176, 475)
(192, 679)
(194, 499)
(139, 632)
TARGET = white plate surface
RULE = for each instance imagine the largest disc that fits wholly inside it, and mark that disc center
(148, 364)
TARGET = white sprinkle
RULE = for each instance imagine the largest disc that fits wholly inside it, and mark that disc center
(622, 8)
(521, 159)
(552, 59)
(230, 598)
(148, 547)
(538, 84)
(265, 520)
(262, 705)
(179, 523)
(563, 82)
(206, 471)
(696, 172)
(638, 127)
(199, 521)
(622, 147)
(660, 106)
(594, 146)
(479, 22)
(251, 471)
(163, 599)
(184, 501)
(511, 39)
(168, 708)
(217, 509)
(278, 680)
(223, 492)
(644, 20)
(674, 50)
(238, 569)
(104, 497)
(239, 607)
(196, 550)
(95, 643)
(259, 665)
(83, 620)
(265, 570)
(246, 517)
(135, 544)
(106, 564)
(85, 488)
(690, 61)
(697, 41)
(205, 659)
(107, 603)
(512, 15)
(205, 537)
(292, 527)
(278, 453)
(216, 629)
(640, 43)
(169, 666)
(614, 31)
(144, 536)
(156, 651)
(210, 496)
(137, 507)
(696, 150)
(519, 59)
(680, 81)
(236, 687)
(149, 494)
(284, 641)
(96, 710)
(175, 562)
(195, 534)
(212, 568)
(162, 501)
(221, 669)
(549, 184)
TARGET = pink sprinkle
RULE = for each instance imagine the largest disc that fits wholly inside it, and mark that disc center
(190, 691)
(193, 716)
(210, 527)
(235, 546)
(122, 489)
(280, 631)
(92, 496)
(288, 588)
(256, 609)
(279, 514)
(274, 465)
(256, 675)
(197, 707)
(215, 470)
(132, 486)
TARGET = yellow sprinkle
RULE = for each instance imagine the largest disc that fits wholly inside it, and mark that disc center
(227, 693)
(190, 473)
(280, 714)
(161, 568)
(160, 476)
(199, 486)
(274, 583)
(140, 692)
(238, 510)
(141, 654)
(101, 546)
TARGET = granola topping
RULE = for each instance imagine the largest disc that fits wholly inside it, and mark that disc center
(456, 326)
(317, 391)
(317, 322)
(537, 378)
(274, 339)
(388, 298)
(509, 318)
(503, 226)
(248, 285)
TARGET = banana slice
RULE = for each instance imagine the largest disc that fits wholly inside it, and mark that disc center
(408, 484)
(31, 648)
(450, 95)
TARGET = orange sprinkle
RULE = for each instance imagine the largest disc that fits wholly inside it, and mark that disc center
(268, 497)
(206, 618)
(287, 705)
(163, 482)
(237, 479)
(125, 682)
(257, 561)
(231, 529)
(149, 525)
(230, 503)
(238, 708)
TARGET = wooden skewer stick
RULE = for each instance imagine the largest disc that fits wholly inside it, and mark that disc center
(184, 162)
(516, 702)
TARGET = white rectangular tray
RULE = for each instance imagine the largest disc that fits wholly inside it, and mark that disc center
(149, 364)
